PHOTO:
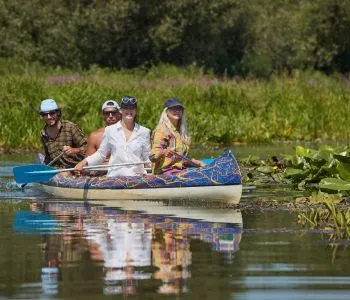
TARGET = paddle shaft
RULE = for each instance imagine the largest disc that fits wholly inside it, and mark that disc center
(55, 159)
(87, 168)
(186, 159)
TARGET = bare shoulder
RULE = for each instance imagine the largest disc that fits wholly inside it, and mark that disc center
(94, 141)
(97, 132)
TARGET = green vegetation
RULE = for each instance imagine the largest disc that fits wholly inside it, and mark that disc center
(332, 220)
(327, 169)
(233, 37)
(82, 52)
(300, 107)
(325, 172)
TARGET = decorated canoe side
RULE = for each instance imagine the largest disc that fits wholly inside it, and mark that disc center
(220, 180)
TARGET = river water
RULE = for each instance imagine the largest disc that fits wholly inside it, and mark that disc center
(50, 248)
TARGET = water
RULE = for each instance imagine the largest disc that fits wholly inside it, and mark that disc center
(51, 248)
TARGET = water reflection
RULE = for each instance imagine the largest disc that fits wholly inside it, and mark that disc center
(131, 243)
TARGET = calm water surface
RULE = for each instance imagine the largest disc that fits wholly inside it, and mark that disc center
(55, 249)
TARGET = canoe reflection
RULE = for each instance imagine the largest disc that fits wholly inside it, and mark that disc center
(134, 241)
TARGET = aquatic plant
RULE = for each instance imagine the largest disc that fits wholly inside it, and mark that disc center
(330, 219)
(328, 167)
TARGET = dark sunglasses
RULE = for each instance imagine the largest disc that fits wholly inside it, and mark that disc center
(129, 101)
(51, 113)
(176, 108)
(113, 112)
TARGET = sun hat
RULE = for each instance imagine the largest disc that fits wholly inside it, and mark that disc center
(48, 105)
(171, 102)
(110, 104)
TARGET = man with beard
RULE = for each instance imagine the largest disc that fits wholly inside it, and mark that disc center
(64, 142)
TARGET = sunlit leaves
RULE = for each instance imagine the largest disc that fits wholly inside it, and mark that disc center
(334, 184)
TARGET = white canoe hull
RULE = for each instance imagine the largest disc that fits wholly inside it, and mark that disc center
(224, 193)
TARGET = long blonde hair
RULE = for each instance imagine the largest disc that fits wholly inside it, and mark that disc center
(182, 127)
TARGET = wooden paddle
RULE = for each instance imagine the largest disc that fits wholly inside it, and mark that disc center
(43, 173)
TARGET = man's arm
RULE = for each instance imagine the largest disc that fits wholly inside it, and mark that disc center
(79, 141)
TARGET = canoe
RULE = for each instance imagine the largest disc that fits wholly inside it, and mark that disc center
(221, 180)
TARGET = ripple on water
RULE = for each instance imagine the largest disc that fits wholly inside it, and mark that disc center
(9, 189)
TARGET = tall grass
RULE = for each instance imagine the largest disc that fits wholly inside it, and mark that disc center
(303, 106)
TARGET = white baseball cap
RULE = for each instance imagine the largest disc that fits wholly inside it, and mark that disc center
(48, 105)
(110, 104)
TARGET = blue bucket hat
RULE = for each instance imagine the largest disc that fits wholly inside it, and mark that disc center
(48, 105)
(171, 102)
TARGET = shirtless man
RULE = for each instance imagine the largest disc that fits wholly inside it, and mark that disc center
(111, 115)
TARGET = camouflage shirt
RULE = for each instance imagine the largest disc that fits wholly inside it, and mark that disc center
(69, 134)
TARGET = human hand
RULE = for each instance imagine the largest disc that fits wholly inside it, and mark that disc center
(198, 162)
(79, 168)
(70, 151)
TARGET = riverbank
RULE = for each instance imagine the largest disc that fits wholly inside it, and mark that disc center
(300, 107)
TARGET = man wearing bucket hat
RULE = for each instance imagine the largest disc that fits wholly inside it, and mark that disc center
(111, 115)
(61, 138)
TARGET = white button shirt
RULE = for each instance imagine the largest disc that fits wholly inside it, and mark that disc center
(136, 149)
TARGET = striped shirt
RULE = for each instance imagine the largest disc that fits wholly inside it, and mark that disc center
(69, 134)
(163, 138)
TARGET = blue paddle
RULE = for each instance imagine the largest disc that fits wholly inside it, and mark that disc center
(40, 158)
(43, 173)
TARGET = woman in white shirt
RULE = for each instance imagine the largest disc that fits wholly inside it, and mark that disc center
(126, 141)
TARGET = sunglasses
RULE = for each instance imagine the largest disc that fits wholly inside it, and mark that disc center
(129, 101)
(108, 113)
(176, 108)
(46, 114)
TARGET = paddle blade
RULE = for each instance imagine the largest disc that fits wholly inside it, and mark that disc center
(33, 173)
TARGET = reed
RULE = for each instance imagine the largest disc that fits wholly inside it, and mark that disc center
(327, 217)
(299, 107)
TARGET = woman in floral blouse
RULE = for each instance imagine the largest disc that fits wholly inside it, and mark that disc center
(170, 140)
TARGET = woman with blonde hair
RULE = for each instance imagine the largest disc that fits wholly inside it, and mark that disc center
(170, 140)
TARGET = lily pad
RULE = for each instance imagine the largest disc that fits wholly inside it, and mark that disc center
(344, 171)
(265, 169)
(302, 151)
(334, 184)
(295, 174)
(342, 158)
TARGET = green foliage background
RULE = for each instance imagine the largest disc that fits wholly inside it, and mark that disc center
(302, 106)
(234, 37)
(247, 71)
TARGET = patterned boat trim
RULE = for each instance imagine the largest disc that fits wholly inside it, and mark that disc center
(222, 171)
